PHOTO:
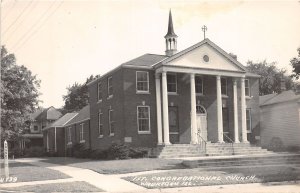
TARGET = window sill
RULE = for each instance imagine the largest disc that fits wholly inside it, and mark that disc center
(172, 93)
(69, 143)
(248, 97)
(82, 141)
(142, 92)
(225, 96)
(100, 136)
(200, 94)
(100, 101)
(144, 132)
(111, 135)
(109, 97)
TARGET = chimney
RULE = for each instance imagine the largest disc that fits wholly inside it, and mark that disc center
(233, 56)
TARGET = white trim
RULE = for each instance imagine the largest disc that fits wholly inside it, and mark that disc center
(136, 83)
(109, 122)
(176, 92)
(247, 80)
(100, 123)
(55, 144)
(69, 135)
(82, 141)
(99, 83)
(137, 116)
(109, 95)
(249, 130)
(81, 132)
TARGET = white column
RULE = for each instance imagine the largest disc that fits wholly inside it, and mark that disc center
(219, 110)
(158, 110)
(165, 108)
(243, 109)
(235, 112)
(194, 137)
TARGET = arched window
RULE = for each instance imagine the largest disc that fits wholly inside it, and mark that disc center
(200, 109)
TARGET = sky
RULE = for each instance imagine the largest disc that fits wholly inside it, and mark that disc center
(63, 42)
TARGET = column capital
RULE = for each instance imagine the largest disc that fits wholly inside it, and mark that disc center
(164, 73)
(242, 79)
(234, 80)
(218, 77)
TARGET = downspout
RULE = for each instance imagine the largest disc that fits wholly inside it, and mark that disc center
(90, 135)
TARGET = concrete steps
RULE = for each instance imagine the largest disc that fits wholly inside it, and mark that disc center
(212, 149)
(250, 160)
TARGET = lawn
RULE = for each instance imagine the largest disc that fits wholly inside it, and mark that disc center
(25, 172)
(118, 166)
(56, 187)
(201, 177)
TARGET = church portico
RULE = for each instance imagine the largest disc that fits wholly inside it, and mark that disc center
(213, 119)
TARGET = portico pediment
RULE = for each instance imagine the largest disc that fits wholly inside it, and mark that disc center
(205, 55)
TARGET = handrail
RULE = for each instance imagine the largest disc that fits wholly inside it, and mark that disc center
(231, 141)
(202, 142)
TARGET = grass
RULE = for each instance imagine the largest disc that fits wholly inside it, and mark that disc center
(119, 166)
(26, 172)
(56, 187)
(200, 177)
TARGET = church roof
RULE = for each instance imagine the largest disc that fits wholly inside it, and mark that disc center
(61, 122)
(285, 96)
(83, 114)
(145, 60)
(170, 27)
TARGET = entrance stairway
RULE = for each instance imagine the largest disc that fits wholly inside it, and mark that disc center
(207, 149)
(272, 159)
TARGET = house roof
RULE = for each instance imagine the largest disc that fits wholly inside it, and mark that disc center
(61, 122)
(49, 114)
(285, 96)
(36, 113)
(83, 114)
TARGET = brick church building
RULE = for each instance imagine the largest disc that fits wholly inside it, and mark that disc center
(198, 94)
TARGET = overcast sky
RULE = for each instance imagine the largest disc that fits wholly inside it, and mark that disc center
(63, 42)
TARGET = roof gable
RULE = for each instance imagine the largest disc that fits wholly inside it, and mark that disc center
(193, 57)
(285, 96)
(63, 120)
(83, 114)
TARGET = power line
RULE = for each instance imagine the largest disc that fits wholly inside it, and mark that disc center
(34, 32)
(17, 17)
(29, 11)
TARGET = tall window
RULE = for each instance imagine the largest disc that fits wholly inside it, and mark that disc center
(111, 122)
(69, 135)
(172, 83)
(142, 81)
(199, 84)
(247, 87)
(99, 91)
(143, 119)
(109, 87)
(224, 86)
(100, 124)
(81, 133)
(248, 120)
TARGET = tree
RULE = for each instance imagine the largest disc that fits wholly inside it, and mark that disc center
(77, 96)
(271, 77)
(19, 96)
(295, 63)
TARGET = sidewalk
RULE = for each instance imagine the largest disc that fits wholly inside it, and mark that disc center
(104, 182)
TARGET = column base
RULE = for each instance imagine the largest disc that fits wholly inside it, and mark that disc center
(221, 142)
(167, 143)
(237, 141)
(160, 143)
(245, 142)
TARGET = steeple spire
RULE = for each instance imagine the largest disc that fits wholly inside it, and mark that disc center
(171, 38)
(170, 26)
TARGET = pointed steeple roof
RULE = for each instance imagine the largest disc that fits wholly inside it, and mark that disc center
(170, 26)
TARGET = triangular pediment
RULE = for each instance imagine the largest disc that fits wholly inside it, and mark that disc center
(205, 55)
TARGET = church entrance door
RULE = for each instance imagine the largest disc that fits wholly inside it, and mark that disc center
(201, 122)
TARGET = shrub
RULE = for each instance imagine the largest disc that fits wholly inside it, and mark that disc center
(293, 149)
(80, 151)
(118, 151)
(276, 144)
(34, 151)
(138, 152)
